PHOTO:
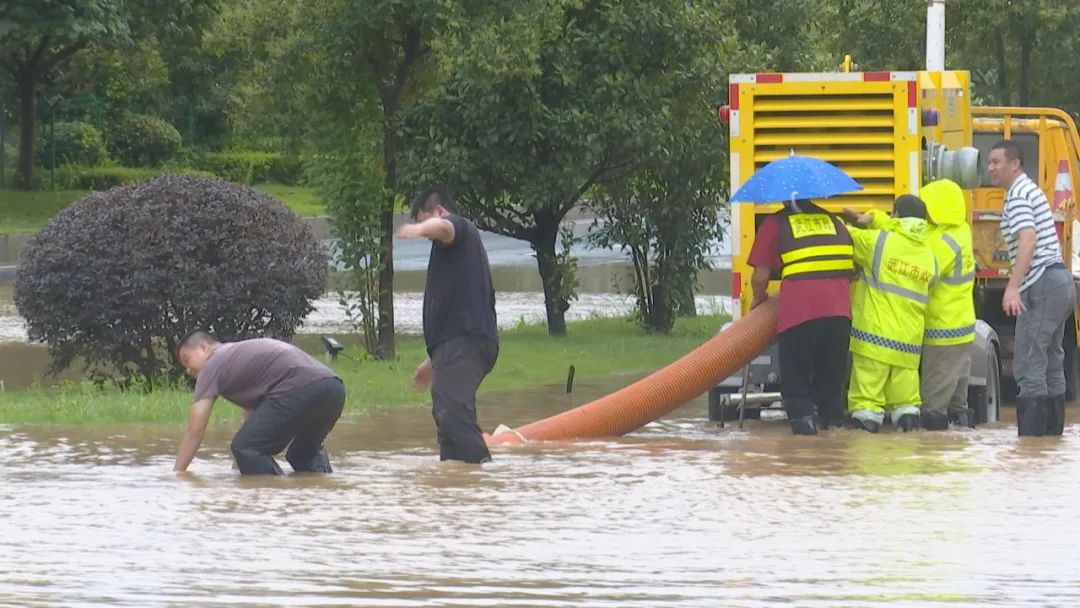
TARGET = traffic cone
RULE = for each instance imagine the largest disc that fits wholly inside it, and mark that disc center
(1063, 191)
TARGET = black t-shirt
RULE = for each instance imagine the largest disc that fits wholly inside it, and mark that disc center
(459, 299)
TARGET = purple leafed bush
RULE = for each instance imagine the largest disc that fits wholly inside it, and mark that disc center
(119, 277)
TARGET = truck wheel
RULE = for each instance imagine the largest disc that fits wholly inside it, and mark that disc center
(986, 400)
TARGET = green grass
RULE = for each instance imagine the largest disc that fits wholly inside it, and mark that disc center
(22, 212)
(25, 212)
(300, 199)
(528, 358)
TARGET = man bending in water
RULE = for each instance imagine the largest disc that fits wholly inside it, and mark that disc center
(287, 396)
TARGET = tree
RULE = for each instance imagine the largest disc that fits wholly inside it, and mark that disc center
(667, 214)
(543, 101)
(1017, 51)
(344, 63)
(37, 36)
(878, 34)
(787, 33)
(119, 277)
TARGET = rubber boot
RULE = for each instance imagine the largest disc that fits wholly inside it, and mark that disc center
(866, 425)
(908, 422)
(1031, 416)
(962, 417)
(934, 421)
(804, 425)
(1055, 415)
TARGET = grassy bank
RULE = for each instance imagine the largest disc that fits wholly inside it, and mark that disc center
(24, 212)
(528, 358)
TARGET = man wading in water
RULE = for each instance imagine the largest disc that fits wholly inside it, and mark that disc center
(459, 323)
(287, 396)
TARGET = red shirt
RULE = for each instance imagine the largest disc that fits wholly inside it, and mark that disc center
(805, 299)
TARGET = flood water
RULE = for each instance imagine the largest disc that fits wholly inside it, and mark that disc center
(682, 513)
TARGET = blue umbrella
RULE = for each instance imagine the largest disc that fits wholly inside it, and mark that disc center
(794, 178)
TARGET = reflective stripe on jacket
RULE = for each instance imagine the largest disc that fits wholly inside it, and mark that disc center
(814, 245)
(891, 296)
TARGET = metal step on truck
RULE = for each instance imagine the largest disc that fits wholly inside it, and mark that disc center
(893, 132)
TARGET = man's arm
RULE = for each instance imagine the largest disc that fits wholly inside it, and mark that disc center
(765, 258)
(1025, 252)
(863, 240)
(759, 284)
(200, 415)
(437, 229)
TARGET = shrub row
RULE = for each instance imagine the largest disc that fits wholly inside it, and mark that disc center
(247, 167)
(78, 177)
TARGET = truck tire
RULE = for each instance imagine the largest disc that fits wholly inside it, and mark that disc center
(986, 400)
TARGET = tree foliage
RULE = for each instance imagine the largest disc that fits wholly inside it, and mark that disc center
(119, 277)
(36, 37)
(351, 69)
(666, 214)
(544, 101)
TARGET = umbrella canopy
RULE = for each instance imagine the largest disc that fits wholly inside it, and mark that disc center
(794, 178)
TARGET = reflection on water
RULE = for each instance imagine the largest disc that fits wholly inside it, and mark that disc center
(680, 514)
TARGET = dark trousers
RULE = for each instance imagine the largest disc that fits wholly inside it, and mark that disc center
(813, 366)
(459, 365)
(303, 417)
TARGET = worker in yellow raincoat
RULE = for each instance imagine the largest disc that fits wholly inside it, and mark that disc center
(950, 315)
(898, 269)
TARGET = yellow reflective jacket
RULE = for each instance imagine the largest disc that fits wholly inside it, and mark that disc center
(950, 316)
(888, 309)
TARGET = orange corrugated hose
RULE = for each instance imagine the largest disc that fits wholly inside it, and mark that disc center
(650, 398)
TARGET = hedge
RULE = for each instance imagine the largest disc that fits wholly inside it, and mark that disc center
(249, 167)
(77, 177)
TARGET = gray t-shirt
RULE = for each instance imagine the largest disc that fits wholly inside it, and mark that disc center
(250, 371)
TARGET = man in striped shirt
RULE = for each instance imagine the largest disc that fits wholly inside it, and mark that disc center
(1040, 294)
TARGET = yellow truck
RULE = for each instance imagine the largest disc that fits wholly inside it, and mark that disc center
(894, 132)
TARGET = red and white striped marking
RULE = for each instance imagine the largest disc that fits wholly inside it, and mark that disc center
(776, 78)
(1063, 190)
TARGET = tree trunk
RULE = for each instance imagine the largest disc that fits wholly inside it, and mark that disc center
(686, 303)
(1003, 68)
(1024, 70)
(27, 128)
(547, 229)
(386, 348)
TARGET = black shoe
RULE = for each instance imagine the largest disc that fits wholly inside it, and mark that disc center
(962, 417)
(1031, 415)
(1055, 415)
(804, 425)
(908, 422)
(933, 421)
(866, 425)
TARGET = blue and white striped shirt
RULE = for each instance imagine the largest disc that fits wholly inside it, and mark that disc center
(1026, 207)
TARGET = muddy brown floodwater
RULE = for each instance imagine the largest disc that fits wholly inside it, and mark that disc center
(682, 513)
